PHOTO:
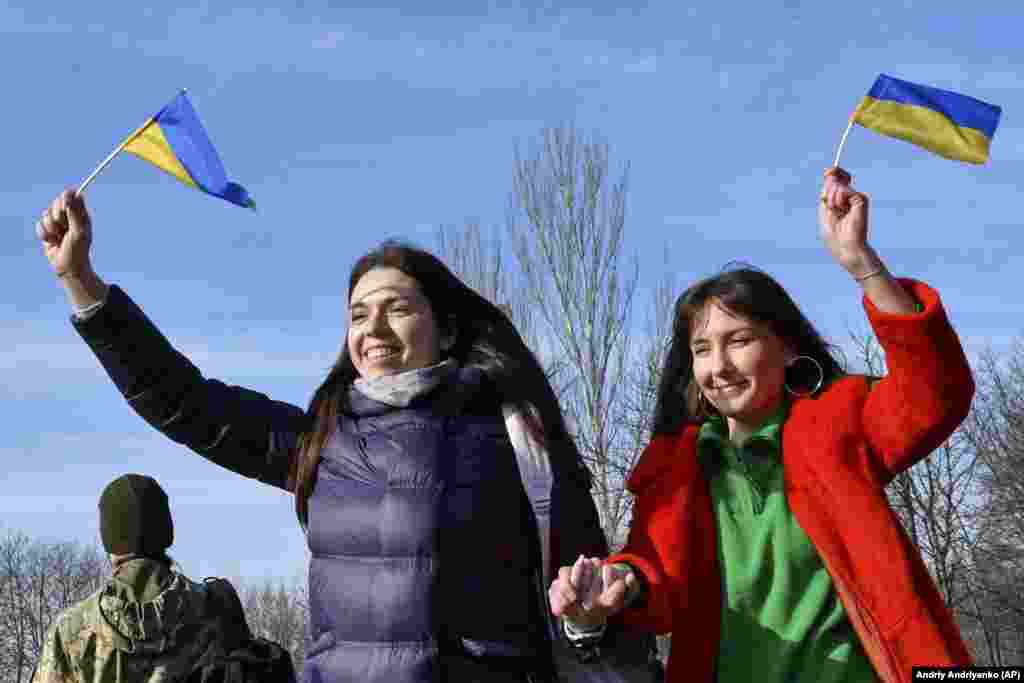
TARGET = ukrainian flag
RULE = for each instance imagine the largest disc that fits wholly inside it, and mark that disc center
(949, 124)
(175, 141)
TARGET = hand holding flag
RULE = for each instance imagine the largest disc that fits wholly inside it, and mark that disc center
(65, 230)
(843, 219)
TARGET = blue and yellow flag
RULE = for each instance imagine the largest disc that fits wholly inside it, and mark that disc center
(175, 141)
(949, 124)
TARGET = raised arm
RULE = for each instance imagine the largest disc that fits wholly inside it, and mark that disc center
(843, 220)
(239, 429)
(927, 391)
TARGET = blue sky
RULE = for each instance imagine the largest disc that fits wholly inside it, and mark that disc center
(350, 124)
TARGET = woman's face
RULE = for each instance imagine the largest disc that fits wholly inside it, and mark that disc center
(739, 365)
(391, 325)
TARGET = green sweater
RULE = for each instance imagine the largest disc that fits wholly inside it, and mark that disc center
(782, 621)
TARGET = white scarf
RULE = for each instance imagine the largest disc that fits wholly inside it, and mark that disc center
(400, 389)
(535, 470)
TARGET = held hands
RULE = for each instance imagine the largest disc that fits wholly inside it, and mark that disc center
(843, 221)
(65, 230)
(589, 592)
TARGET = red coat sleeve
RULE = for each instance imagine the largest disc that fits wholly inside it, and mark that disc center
(652, 544)
(928, 387)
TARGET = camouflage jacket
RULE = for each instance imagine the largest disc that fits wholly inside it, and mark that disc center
(148, 624)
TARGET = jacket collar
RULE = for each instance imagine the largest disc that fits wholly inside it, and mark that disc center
(144, 604)
(713, 436)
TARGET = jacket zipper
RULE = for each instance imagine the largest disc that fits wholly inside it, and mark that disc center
(757, 495)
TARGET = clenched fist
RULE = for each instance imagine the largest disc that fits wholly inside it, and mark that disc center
(65, 231)
(843, 222)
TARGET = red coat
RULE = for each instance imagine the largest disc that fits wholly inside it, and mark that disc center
(839, 450)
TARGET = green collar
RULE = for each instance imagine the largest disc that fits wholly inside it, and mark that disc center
(714, 434)
(141, 579)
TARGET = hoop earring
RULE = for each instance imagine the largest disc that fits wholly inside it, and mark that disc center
(817, 385)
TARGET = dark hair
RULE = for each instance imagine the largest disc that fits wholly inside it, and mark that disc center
(748, 292)
(485, 338)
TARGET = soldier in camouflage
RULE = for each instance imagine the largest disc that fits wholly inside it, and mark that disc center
(149, 623)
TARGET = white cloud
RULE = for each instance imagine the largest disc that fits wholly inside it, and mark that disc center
(995, 303)
(994, 80)
(680, 220)
(1008, 144)
(329, 40)
(28, 350)
(39, 363)
(999, 340)
(368, 48)
(646, 65)
(224, 524)
(14, 20)
(53, 486)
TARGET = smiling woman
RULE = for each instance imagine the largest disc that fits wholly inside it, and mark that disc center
(391, 325)
(384, 453)
(736, 334)
(762, 537)
(402, 464)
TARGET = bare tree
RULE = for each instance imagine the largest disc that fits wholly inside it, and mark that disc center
(280, 613)
(478, 259)
(646, 361)
(995, 431)
(39, 580)
(60, 574)
(570, 295)
(568, 239)
(572, 302)
(15, 660)
(961, 508)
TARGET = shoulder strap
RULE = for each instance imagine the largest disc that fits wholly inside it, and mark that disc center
(229, 608)
(537, 480)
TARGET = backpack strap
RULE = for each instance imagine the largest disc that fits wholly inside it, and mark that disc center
(228, 607)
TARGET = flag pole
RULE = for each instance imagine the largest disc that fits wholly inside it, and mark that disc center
(842, 141)
(110, 158)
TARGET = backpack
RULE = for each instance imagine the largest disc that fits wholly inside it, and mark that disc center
(242, 658)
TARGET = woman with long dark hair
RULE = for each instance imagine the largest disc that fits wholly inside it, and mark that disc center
(405, 467)
(762, 538)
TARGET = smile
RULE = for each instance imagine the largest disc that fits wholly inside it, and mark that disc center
(379, 352)
(731, 388)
